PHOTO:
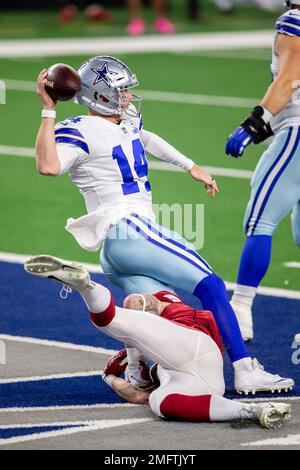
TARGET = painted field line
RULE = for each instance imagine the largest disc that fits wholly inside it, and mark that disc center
(95, 268)
(153, 165)
(57, 344)
(292, 264)
(98, 406)
(151, 43)
(38, 378)
(95, 426)
(227, 55)
(289, 440)
(159, 96)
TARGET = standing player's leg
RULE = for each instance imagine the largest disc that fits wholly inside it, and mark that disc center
(296, 223)
(275, 190)
(139, 248)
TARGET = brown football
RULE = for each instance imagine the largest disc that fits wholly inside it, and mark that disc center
(63, 82)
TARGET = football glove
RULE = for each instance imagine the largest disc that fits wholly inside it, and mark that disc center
(116, 365)
(256, 128)
(137, 373)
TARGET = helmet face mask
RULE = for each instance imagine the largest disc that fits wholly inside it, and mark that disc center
(104, 83)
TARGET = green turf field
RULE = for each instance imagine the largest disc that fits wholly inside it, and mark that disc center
(34, 208)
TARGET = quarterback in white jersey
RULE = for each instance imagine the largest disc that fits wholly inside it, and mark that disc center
(275, 186)
(104, 153)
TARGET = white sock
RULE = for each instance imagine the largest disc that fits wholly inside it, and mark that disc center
(222, 409)
(97, 299)
(244, 364)
(244, 295)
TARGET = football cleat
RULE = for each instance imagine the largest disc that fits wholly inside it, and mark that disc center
(244, 318)
(258, 380)
(271, 415)
(71, 275)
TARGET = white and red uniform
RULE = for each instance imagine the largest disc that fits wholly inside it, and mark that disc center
(186, 345)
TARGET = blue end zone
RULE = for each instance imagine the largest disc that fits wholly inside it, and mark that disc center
(15, 432)
(32, 307)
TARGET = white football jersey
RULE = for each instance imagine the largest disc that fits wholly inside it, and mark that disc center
(106, 161)
(289, 24)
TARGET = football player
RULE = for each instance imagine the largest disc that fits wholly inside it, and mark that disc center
(185, 343)
(275, 186)
(104, 153)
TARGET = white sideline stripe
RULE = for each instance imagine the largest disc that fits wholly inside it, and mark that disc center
(289, 440)
(123, 405)
(151, 43)
(95, 268)
(62, 423)
(50, 377)
(57, 344)
(292, 264)
(95, 426)
(154, 95)
(153, 165)
(67, 407)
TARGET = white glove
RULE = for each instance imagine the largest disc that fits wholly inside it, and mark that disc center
(137, 373)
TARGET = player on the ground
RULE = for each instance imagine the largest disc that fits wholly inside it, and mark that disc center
(104, 153)
(275, 186)
(185, 343)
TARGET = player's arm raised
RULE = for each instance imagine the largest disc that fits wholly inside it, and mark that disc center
(47, 161)
(256, 127)
(162, 150)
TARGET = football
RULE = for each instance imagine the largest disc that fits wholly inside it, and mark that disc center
(63, 82)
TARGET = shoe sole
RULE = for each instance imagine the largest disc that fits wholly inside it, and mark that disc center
(279, 389)
(275, 417)
(48, 267)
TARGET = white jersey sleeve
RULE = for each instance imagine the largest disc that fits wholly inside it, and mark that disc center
(71, 145)
(162, 150)
(289, 23)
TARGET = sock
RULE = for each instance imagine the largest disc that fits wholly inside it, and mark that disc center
(255, 260)
(222, 409)
(212, 293)
(244, 295)
(100, 303)
(201, 408)
(96, 299)
(186, 407)
(244, 364)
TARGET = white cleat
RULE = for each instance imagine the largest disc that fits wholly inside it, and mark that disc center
(271, 415)
(258, 380)
(244, 318)
(72, 275)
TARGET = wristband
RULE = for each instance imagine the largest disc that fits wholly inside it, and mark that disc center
(49, 113)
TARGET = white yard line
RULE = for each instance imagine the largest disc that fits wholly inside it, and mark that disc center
(292, 264)
(93, 426)
(38, 378)
(289, 440)
(98, 406)
(159, 96)
(151, 43)
(95, 268)
(153, 165)
(227, 55)
(57, 344)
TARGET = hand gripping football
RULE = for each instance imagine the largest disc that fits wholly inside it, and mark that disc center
(63, 82)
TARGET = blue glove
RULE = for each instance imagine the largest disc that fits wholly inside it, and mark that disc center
(237, 142)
